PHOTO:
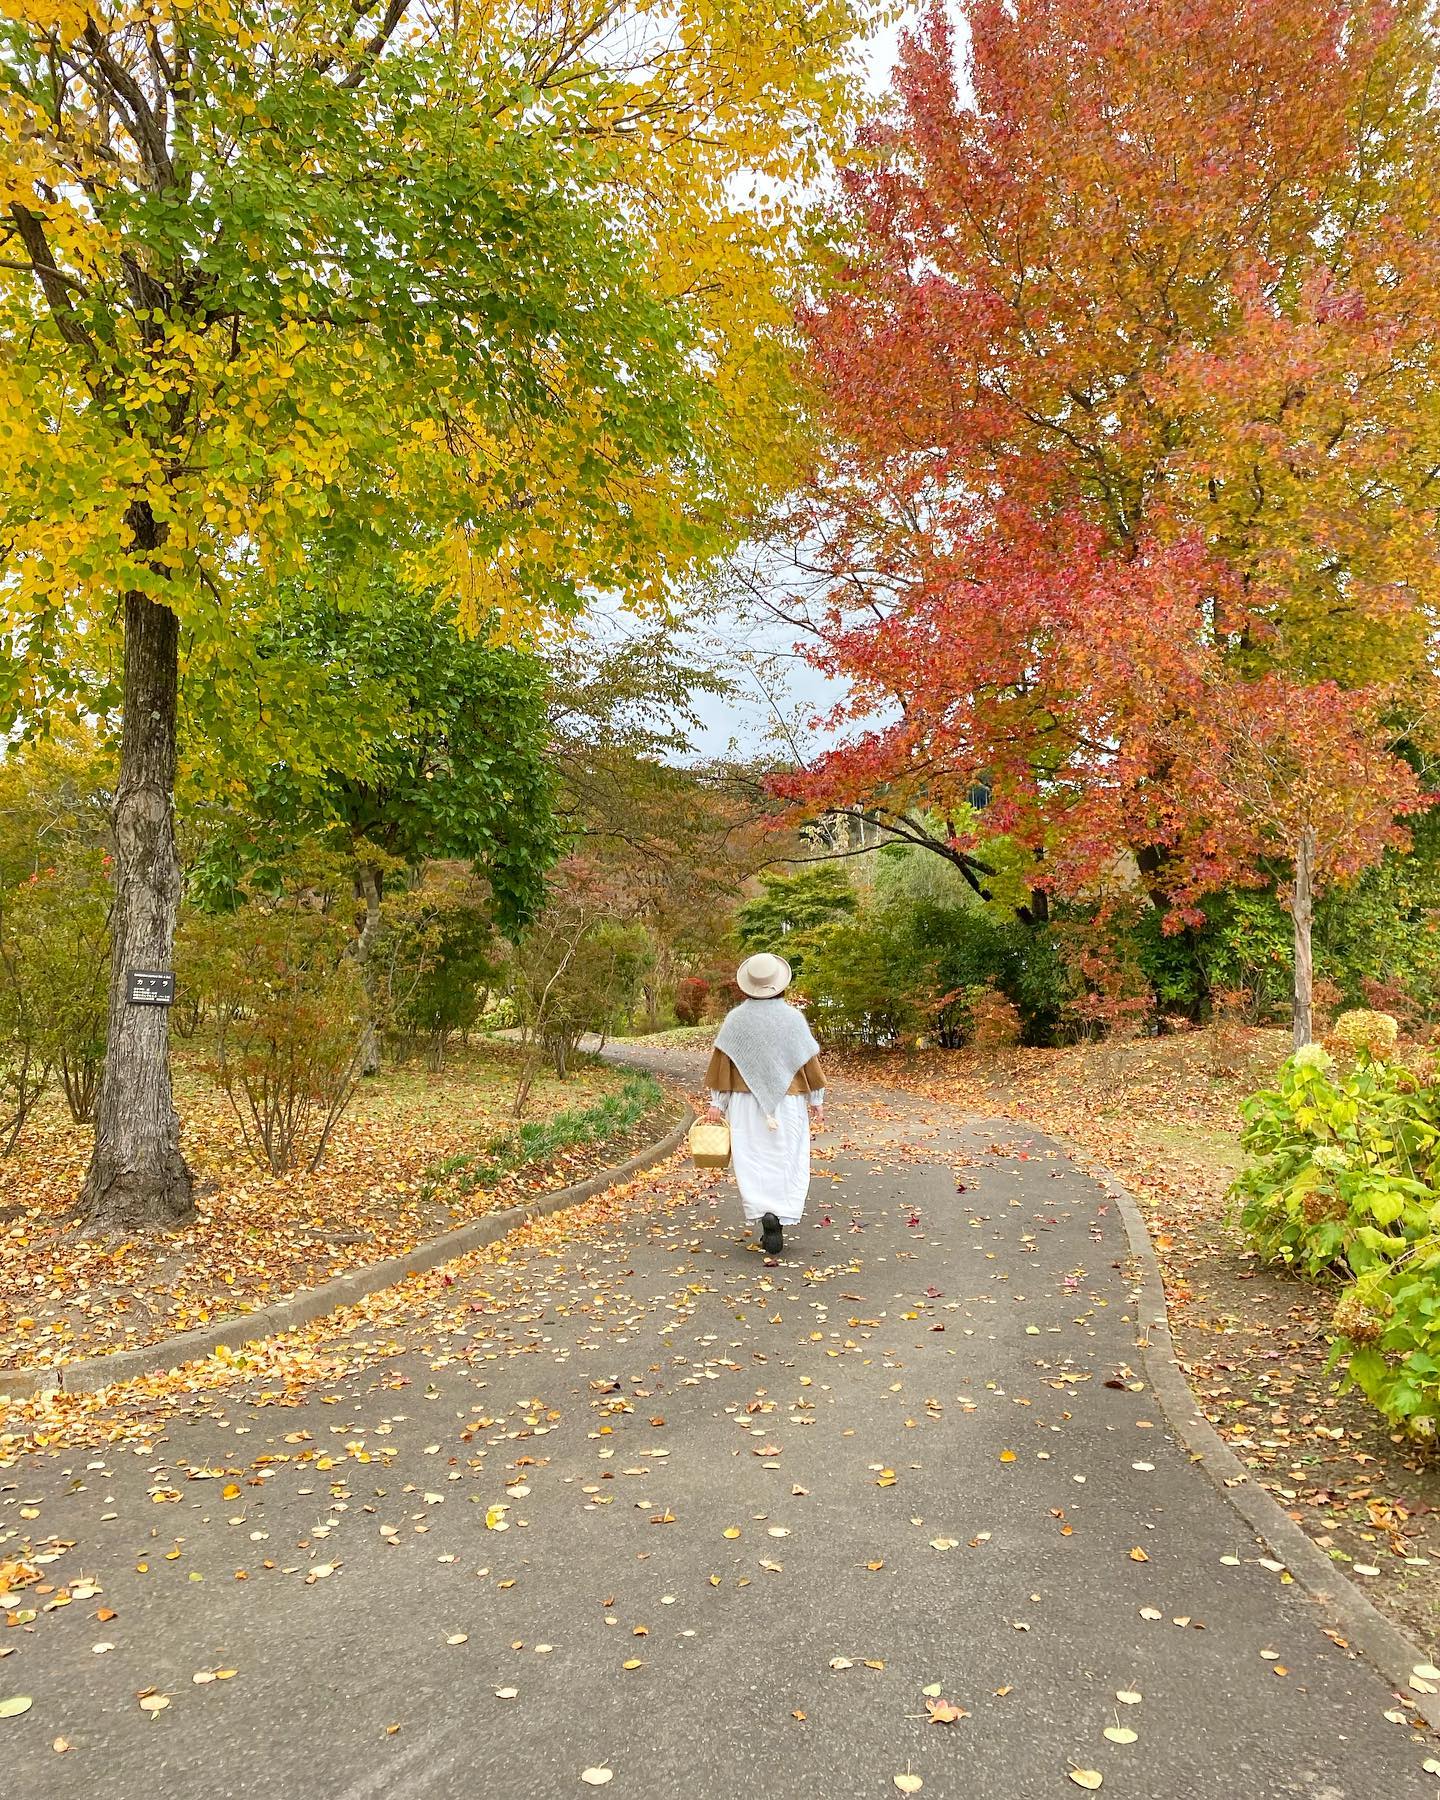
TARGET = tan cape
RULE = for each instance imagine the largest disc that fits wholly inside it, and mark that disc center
(722, 1077)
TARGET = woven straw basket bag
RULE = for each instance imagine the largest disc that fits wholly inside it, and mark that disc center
(710, 1145)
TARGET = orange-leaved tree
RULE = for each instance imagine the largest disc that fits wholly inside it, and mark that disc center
(1130, 402)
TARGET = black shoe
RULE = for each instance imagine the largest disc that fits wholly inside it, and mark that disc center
(772, 1238)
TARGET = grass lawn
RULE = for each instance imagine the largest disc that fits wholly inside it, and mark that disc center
(415, 1154)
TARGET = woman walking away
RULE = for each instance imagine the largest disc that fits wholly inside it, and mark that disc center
(765, 1078)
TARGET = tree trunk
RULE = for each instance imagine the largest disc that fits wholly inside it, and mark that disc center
(1302, 911)
(137, 1177)
(368, 882)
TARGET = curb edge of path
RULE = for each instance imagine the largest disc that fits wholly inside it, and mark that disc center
(90, 1374)
(1366, 1629)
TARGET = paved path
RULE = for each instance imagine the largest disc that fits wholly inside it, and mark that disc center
(914, 1456)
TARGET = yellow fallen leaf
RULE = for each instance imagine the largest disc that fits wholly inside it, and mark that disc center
(1090, 1779)
(1120, 1734)
(731, 1531)
(1138, 1555)
(154, 1703)
(909, 1784)
(597, 1777)
(230, 1491)
(1007, 1456)
(635, 1662)
(15, 1705)
(1128, 1697)
(458, 1637)
(60, 1746)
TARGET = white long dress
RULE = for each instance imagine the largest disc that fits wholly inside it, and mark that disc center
(772, 1168)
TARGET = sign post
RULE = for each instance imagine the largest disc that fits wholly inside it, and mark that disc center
(149, 987)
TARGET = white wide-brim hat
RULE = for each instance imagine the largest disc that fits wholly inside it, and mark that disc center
(762, 977)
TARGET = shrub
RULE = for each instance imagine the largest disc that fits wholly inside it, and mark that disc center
(1109, 994)
(575, 969)
(994, 1020)
(904, 968)
(502, 1015)
(283, 983)
(1388, 1334)
(692, 995)
(436, 961)
(1343, 1165)
(24, 1065)
(60, 920)
(865, 985)
(1368, 1035)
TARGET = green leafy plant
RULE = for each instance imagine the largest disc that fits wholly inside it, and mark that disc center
(1388, 1335)
(540, 1139)
(291, 1008)
(1341, 1176)
(60, 921)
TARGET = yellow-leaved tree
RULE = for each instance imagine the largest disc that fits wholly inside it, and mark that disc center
(494, 291)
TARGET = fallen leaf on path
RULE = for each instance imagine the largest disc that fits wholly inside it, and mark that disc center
(15, 1705)
(597, 1777)
(1089, 1779)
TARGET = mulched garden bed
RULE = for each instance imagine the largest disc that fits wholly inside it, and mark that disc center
(258, 1237)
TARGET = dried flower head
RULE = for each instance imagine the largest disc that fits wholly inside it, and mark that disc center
(1370, 1035)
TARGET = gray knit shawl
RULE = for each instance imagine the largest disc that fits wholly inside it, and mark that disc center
(769, 1042)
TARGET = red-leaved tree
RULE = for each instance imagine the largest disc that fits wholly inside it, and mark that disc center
(1126, 385)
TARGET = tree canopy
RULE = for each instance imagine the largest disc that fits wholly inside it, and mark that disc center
(1129, 383)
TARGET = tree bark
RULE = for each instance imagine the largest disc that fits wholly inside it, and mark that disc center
(368, 882)
(138, 1178)
(1302, 912)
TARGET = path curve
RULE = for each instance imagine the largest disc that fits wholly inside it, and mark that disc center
(740, 1519)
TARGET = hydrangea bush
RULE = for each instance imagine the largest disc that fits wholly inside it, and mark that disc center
(1341, 1177)
(1387, 1334)
(1342, 1181)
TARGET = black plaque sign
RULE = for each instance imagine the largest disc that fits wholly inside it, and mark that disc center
(149, 987)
